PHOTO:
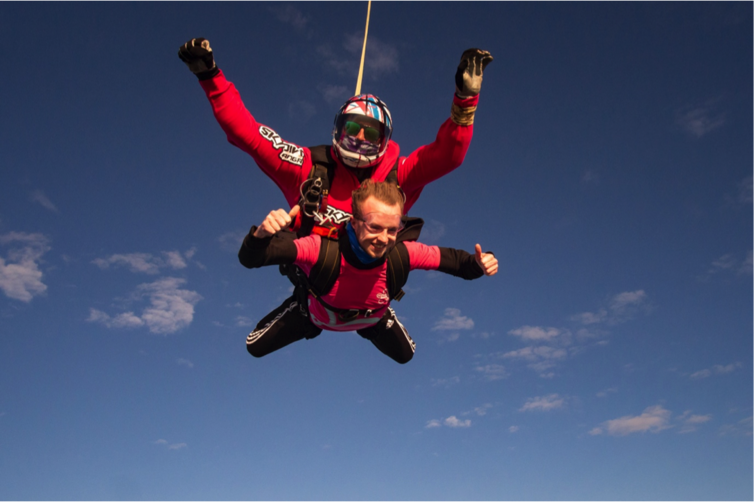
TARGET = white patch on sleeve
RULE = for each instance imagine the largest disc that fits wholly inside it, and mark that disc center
(289, 152)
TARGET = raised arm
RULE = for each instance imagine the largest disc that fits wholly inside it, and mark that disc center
(285, 163)
(447, 152)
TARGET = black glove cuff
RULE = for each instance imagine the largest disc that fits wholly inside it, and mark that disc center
(206, 75)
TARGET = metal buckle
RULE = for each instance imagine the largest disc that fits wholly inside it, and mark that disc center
(350, 315)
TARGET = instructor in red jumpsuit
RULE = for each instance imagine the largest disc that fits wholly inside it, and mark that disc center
(361, 146)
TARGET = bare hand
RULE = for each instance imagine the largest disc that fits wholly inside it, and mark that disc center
(276, 221)
(486, 261)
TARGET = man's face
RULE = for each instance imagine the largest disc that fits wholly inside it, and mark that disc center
(377, 231)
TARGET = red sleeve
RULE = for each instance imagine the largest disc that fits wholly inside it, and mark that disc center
(430, 162)
(307, 252)
(421, 256)
(285, 163)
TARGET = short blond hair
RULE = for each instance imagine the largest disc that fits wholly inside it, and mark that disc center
(383, 191)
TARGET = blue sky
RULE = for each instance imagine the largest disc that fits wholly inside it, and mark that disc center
(610, 172)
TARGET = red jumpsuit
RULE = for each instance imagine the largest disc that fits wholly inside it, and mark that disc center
(288, 165)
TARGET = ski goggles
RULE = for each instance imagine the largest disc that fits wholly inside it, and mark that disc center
(370, 133)
(373, 227)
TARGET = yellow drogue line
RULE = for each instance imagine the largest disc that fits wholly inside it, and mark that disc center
(363, 51)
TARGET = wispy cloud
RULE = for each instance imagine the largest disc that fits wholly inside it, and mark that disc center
(621, 308)
(445, 382)
(607, 392)
(231, 241)
(535, 333)
(40, 198)
(654, 419)
(185, 362)
(741, 428)
(20, 276)
(492, 372)
(452, 422)
(146, 263)
(745, 191)
(290, 15)
(335, 94)
(381, 58)
(453, 320)
(691, 422)
(728, 263)
(717, 369)
(543, 403)
(700, 120)
(171, 308)
(171, 446)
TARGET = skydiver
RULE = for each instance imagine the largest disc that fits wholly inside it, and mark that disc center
(361, 140)
(364, 259)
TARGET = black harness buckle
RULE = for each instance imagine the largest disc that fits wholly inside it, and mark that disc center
(349, 315)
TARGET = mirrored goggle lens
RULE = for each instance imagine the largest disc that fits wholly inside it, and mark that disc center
(370, 133)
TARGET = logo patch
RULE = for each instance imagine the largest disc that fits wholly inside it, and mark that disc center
(383, 298)
(334, 216)
(290, 152)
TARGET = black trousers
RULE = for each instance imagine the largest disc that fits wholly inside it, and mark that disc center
(288, 323)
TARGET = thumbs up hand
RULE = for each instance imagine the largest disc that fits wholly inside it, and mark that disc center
(487, 261)
(276, 221)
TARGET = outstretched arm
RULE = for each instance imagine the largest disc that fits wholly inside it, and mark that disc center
(451, 261)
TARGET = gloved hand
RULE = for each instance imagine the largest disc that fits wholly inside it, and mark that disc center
(197, 54)
(469, 72)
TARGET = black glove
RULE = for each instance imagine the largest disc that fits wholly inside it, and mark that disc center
(469, 72)
(197, 54)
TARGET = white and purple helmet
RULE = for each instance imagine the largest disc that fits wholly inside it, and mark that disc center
(369, 113)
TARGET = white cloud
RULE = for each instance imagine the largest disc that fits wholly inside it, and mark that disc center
(431, 424)
(623, 301)
(445, 382)
(606, 392)
(185, 362)
(40, 198)
(654, 419)
(513, 428)
(700, 120)
(479, 411)
(231, 241)
(173, 446)
(741, 428)
(543, 403)
(20, 277)
(746, 191)
(146, 263)
(690, 422)
(717, 369)
(535, 333)
(492, 371)
(728, 262)
(453, 320)
(244, 322)
(746, 265)
(620, 309)
(381, 58)
(170, 310)
(335, 94)
(452, 421)
(290, 15)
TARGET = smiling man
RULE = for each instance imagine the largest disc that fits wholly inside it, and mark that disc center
(349, 283)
